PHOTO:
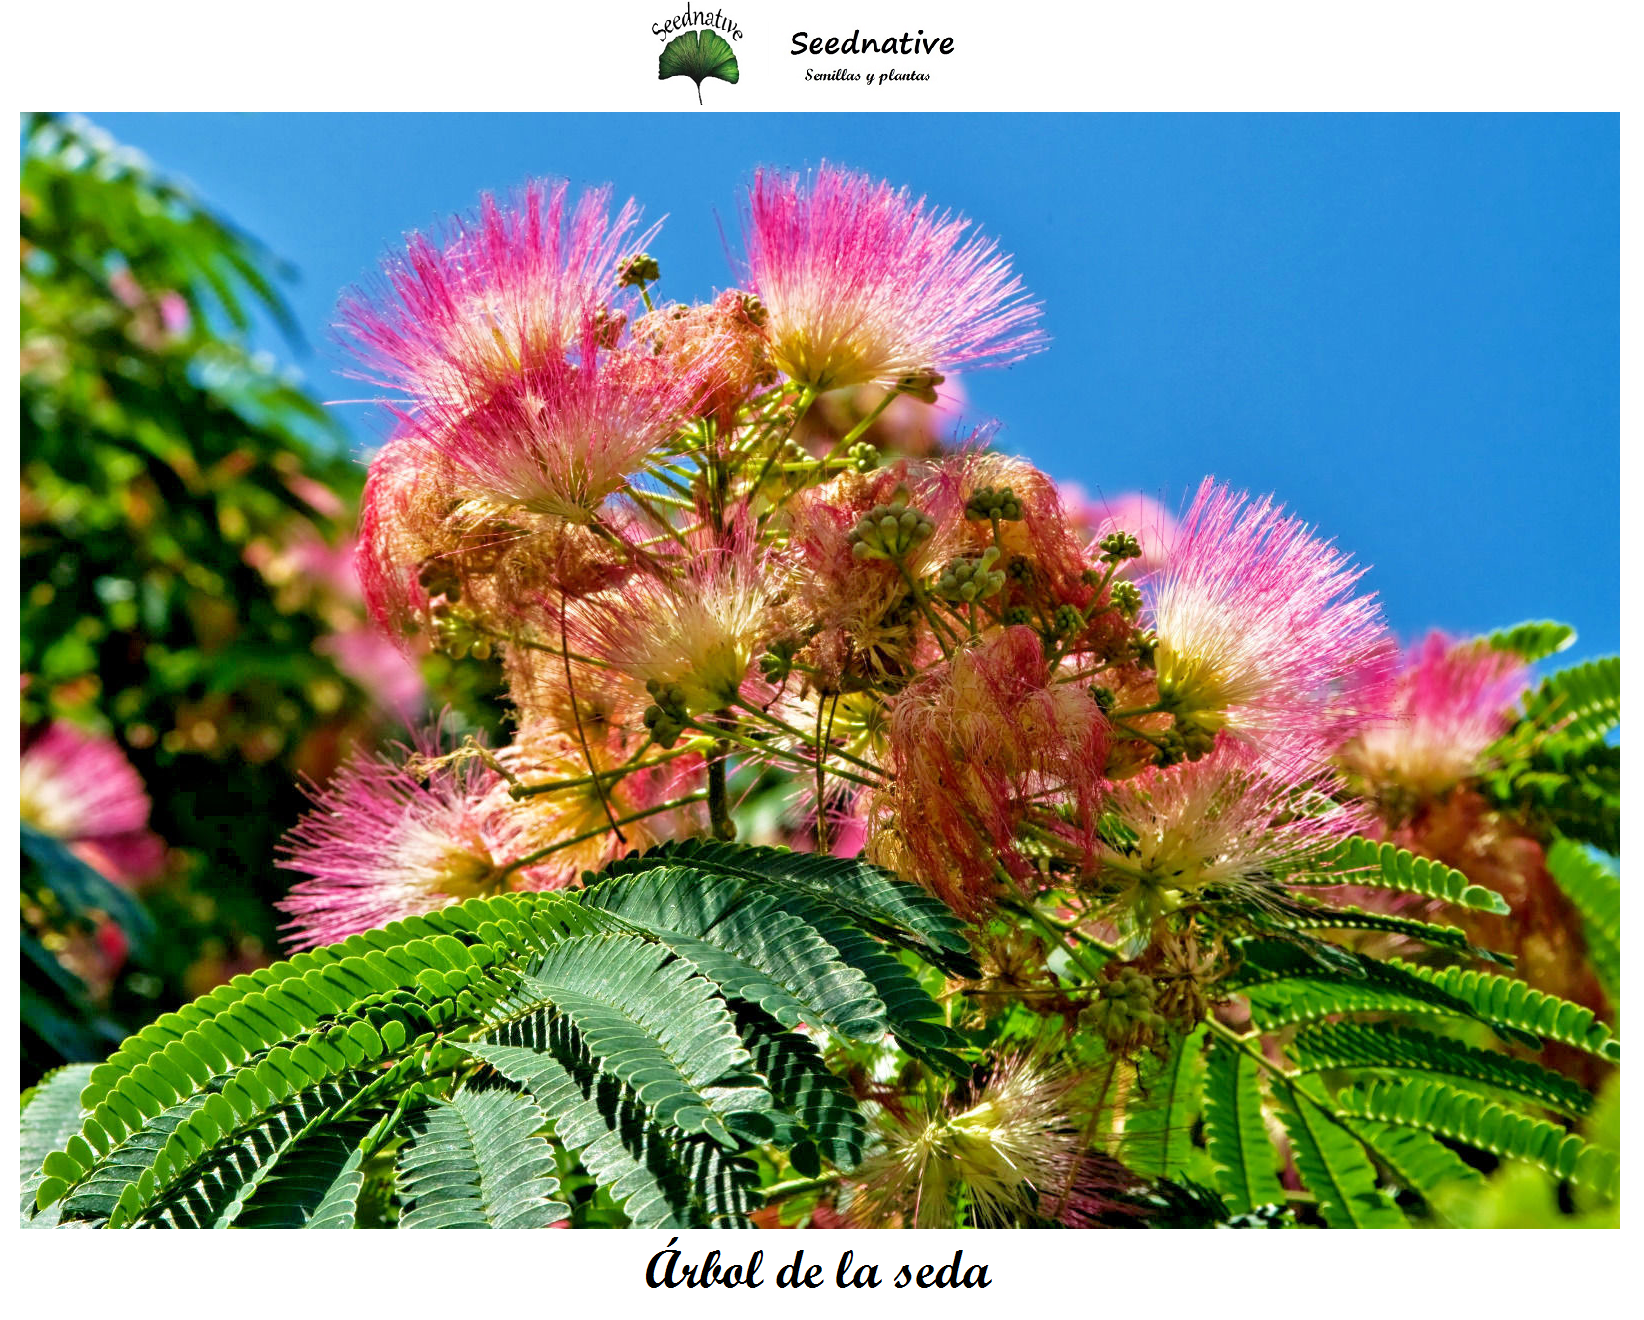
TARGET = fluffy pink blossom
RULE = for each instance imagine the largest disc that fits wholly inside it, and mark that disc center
(463, 313)
(565, 436)
(1259, 630)
(695, 632)
(1231, 817)
(1452, 701)
(387, 840)
(79, 787)
(864, 284)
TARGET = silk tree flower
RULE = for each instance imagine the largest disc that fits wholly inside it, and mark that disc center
(1015, 1152)
(462, 314)
(420, 540)
(975, 746)
(1227, 820)
(865, 285)
(688, 636)
(392, 837)
(1258, 629)
(1452, 700)
(865, 624)
(562, 438)
(78, 787)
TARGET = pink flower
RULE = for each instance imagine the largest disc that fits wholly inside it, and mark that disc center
(79, 787)
(1231, 818)
(393, 838)
(688, 638)
(1452, 701)
(864, 285)
(564, 437)
(1015, 1149)
(463, 314)
(1258, 629)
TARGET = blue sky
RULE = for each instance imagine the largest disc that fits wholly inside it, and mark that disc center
(1404, 326)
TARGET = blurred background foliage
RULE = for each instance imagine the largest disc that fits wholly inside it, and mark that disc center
(187, 584)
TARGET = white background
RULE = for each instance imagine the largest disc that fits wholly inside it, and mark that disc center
(1009, 56)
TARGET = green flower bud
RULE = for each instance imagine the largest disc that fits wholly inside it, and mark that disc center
(1126, 598)
(890, 531)
(640, 269)
(863, 456)
(1117, 546)
(989, 503)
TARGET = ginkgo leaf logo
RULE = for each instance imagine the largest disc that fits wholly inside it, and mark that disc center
(697, 55)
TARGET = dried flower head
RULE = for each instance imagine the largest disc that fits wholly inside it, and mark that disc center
(462, 314)
(722, 342)
(1258, 631)
(1451, 702)
(863, 284)
(976, 745)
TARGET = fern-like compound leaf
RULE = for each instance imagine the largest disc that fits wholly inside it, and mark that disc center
(1365, 862)
(1334, 1166)
(1595, 891)
(477, 1161)
(1582, 703)
(51, 1116)
(1351, 1046)
(1533, 640)
(1512, 1005)
(1482, 1123)
(1161, 1111)
(1234, 1132)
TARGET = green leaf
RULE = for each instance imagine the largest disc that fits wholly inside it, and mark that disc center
(51, 1115)
(658, 1026)
(230, 1169)
(1505, 1002)
(316, 1185)
(1160, 1112)
(1583, 703)
(1532, 641)
(1334, 1166)
(1234, 1132)
(476, 1161)
(749, 946)
(1353, 1046)
(1417, 1160)
(804, 1090)
(698, 54)
(1594, 890)
(82, 890)
(1477, 1121)
(1361, 861)
(658, 1179)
